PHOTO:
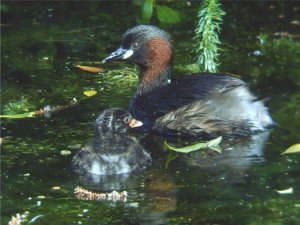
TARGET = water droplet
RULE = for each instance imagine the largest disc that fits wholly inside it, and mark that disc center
(257, 53)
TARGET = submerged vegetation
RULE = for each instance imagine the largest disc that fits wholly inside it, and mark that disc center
(19, 106)
(276, 56)
(23, 108)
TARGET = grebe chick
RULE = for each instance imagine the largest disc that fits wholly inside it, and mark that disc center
(113, 151)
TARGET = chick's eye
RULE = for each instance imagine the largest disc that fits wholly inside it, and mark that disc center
(126, 120)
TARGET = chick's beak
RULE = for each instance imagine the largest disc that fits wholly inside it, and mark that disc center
(120, 53)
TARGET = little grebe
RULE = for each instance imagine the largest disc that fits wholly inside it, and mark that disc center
(113, 151)
(203, 104)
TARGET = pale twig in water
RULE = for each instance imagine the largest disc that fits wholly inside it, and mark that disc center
(83, 194)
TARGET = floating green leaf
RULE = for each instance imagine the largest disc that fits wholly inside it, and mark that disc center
(286, 191)
(295, 22)
(147, 10)
(65, 152)
(292, 149)
(18, 116)
(212, 144)
(90, 93)
(167, 15)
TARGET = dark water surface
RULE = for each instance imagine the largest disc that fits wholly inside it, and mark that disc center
(42, 42)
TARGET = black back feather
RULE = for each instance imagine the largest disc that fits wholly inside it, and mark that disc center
(149, 106)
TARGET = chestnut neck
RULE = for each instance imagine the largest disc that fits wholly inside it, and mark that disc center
(156, 71)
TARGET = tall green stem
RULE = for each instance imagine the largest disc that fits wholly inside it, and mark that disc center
(210, 19)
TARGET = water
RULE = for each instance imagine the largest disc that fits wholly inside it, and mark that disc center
(41, 45)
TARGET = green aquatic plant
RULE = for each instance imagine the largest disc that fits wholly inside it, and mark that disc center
(126, 76)
(163, 13)
(121, 76)
(210, 18)
(3, 8)
(16, 107)
(147, 10)
(43, 111)
(279, 55)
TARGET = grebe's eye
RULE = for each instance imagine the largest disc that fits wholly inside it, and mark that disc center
(136, 44)
(126, 120)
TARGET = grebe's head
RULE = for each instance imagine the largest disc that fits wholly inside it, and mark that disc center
(144, 45)
(113, 121)
(151, 49)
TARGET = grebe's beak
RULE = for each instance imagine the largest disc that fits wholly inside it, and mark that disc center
(120, 53)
